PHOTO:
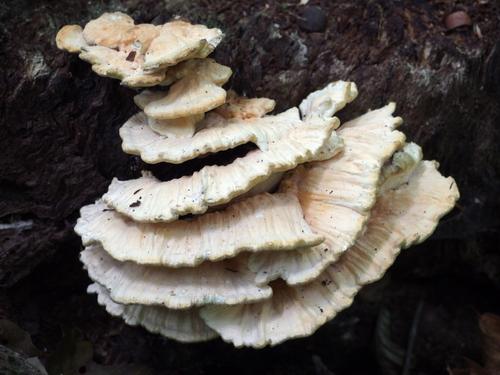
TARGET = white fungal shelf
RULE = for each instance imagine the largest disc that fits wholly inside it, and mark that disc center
(279, 240)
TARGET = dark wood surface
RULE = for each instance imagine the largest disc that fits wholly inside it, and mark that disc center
(59, 148)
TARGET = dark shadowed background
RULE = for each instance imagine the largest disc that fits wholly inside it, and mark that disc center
(59, 148)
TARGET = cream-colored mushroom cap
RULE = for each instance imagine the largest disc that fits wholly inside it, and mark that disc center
(70, 38)
(290, 143)
(401, 165)
(241, 107)
(197, 92)
(263, 222)
(147, 96)
(181, 325)
(329, 100)
(116, 47)
(118, 31)
(108, 30)
(216, 133)
(108, 62)
(178, 41)
(227, 282)
(401, 217)
(336, 196)
(183, 127)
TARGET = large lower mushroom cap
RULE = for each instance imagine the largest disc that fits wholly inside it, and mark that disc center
(401, 217)
(292, 143)
(227, 282)
(262, 222)
(217, 134)
(181, 325)
(206, 68)
(336, 196)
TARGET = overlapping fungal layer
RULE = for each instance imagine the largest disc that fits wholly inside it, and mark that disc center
(277, 241)
(137, 54)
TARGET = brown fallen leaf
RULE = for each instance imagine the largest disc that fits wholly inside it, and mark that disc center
(457, 19)
(489, 324)
(490, 329)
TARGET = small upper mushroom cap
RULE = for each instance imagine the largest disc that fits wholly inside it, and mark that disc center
(244, 108)
(197, 91)
(116, 47)
(181, 325)
(292, 143)
(329, 100)
(70, 38)
(178, 41)
(401, 217)
(115, 30)
(263, 222)
(108, 29)
(108, 62)
(228, 282)
(336, 196)
(183, 127)
(401, 166)
(205, 68)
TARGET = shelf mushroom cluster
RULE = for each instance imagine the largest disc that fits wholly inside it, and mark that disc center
(276, 242)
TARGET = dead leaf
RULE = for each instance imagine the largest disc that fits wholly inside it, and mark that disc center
(457, 19)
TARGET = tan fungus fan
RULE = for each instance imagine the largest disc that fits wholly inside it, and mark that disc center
(252, 262)
(138, 55)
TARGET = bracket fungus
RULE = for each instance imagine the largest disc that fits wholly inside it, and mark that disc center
(225, 282)
(241, 107)
(336, 196)
(289, 142)
(181, 325)
(402, 216)
(265, 221)
(138, 55)
(197, 89)
(279, 240)
(170, 128)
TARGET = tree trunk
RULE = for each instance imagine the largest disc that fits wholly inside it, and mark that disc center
(60, 145)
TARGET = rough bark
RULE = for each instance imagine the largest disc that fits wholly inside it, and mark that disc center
(13, 363)
(60, 145)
